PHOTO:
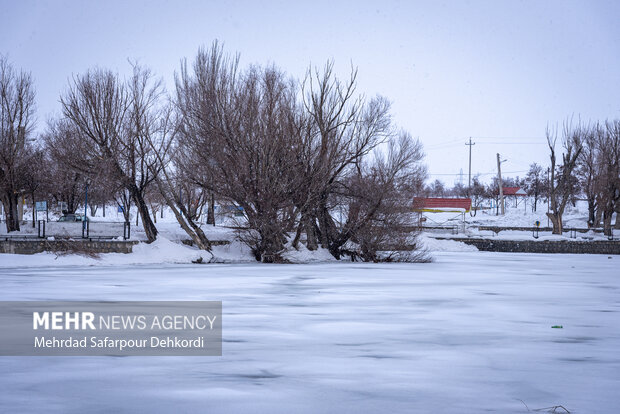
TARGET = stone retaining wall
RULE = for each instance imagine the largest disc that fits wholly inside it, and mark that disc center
(543, 246)
(567, 229)
(38, 246)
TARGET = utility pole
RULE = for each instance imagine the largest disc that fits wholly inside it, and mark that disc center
(501, 186)
(469, 182)
(548, 193)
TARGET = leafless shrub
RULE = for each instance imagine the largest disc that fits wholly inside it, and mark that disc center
(378, 194)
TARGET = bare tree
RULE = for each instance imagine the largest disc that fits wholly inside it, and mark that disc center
(289, 158)
(609, 172)
(33, 178)
(535, 183)
(563, 182)
(587, 170)
(477, 192)
(237, 128)
(163, 141)
(343, 128)
(16, 126)
(459, 190)
(378, 193)
(64, 149)
(112, 120)
(436, 189)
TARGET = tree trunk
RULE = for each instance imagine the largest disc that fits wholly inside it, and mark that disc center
(211, 210)
(10, 210)
(591, 211)
(272, 237)
(326, 224)
(597, 218)
(196, 233)
(312, 242)
(34, 210)
(556, 220)
(143, 211)
(295, 242)
(607, 214)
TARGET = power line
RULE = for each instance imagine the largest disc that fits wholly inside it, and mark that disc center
(496, 137)
(477, 174)
(514, 143)
(522, 141)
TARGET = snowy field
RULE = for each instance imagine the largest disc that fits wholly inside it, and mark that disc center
(469, 333)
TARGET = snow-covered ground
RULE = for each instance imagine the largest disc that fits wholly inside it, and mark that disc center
(469, 226)
(520, 216)
(112, 225)
(468, 333)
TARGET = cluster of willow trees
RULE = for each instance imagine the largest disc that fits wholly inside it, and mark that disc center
(587, 165)
(310, 161)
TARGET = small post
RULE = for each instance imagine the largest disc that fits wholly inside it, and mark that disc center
(85, 201)
(85, 229)
(41, 229)
(126, 230)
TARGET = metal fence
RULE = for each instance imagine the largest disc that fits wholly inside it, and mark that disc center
(91, 230)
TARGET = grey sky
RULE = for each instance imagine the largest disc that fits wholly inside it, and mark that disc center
(498, 71)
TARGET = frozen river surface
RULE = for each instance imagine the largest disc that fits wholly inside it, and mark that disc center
(469, 333)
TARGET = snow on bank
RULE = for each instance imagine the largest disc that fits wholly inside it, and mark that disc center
(303, 255)
(164, 251)
(160, 251)
(433, 245)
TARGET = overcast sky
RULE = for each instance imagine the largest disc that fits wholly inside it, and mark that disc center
(498, 71)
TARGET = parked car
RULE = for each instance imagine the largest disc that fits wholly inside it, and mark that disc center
(72, 218)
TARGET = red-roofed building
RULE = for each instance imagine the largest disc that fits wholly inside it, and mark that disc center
(514, 191)
(438, 205)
